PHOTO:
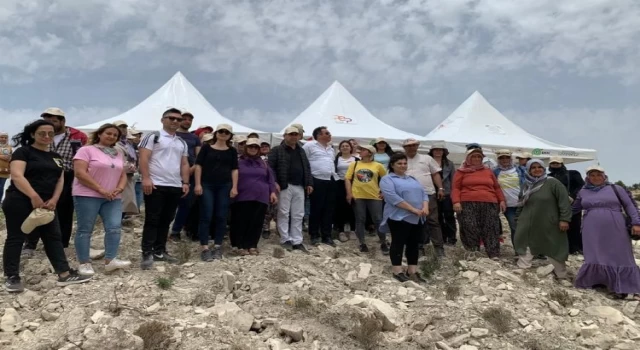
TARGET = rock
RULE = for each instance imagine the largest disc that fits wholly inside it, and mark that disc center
(11, 321)
(468, 347)
(96, 254)
(523, 322)
(153, 308)
(443, 346)
(365, 270)
(275, 344)
(97, 316)
(479, 332)
(229, 281)
(27, 336)
(508, 276)
(294, 332)
(29, 298)
(49, 316)
(629, 308)
(459, 340)
(574, 312)
(608, 313)
(278, 252)
(191, 275)
(233, 315)
(470, 275)
(67, 291)
(543, 271)
(96, 336)
(626, 346)
(502, 286)
(414, 285)
(556, 308)
(421, 325)
(161, 269)
(385, 313)
(589, 331)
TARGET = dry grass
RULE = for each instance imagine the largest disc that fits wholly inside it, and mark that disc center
(452, 291)
(203, 299)
(156, 335)
(500, 318)
(164, 283)
(278, 252)
(184, 252)
(335, 254)
(303, 304)
(430, 264)
(368, 333)
(278, 276)
(562, 297)
(174, 272)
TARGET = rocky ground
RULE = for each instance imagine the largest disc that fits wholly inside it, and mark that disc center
(335, 298)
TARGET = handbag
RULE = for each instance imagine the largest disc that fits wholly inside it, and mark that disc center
(627, 218)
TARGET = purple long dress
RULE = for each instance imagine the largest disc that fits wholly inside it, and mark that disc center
(608, 254)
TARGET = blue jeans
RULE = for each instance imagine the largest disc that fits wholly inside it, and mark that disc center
(139, 195)
(183, 211)
(510, 214)
(87, 211)
(214, 204)
(2, 182)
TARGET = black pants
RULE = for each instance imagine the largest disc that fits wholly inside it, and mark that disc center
(64, 210)
(575, 234)
(344, 213)
(431, 231)
(404, 237)
(16, 208)
(447, 219)
(247, 218)
(323, 199)
(161, 206)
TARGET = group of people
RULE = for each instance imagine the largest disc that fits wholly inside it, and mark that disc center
(210, 179)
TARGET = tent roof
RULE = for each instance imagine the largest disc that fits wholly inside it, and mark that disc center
(347, 118)
(476, 120)
(178, 92)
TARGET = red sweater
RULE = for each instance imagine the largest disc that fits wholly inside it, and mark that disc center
(478, 186)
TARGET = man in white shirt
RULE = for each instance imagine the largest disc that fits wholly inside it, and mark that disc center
(321, 157)
(427, 171)
(164, 167)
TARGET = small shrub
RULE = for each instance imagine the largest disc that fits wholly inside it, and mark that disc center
(499, 318)
(530, 279)
(452, 291)
(155, 335)
(303, 304)
(164, 282)
(278, 276)
(184, 252)
(174, 272)
(278, 252)
(368, 332)
(431, 264)
(637, 197)
(562, 297)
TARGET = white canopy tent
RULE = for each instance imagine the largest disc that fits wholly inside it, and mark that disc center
(178, 92)
(476, 120)
(346, 118)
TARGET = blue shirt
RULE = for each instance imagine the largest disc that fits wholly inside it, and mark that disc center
(192, 141)
(397, 189)
(383, 159)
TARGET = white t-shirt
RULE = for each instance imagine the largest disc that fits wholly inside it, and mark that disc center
(510, 184)
(58, 138)
(421, 167)
(343, 166)
(166, 158)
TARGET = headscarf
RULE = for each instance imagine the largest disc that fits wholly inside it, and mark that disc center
(591, 187)
(508, 167)
(531, 184)
(466, 166)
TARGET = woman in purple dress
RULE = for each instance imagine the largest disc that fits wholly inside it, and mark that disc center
(608, 254)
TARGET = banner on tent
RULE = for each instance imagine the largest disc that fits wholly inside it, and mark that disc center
(341, 119)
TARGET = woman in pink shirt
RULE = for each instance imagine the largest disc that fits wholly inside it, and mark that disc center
(97, 188)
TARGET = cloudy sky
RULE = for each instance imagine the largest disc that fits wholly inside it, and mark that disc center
(563, 70)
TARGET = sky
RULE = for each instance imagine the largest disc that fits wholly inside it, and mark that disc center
(565, 71)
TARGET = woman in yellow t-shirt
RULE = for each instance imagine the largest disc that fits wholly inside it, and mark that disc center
(362, 183)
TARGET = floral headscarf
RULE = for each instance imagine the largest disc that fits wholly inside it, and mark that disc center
(531, 184)
(466, 166)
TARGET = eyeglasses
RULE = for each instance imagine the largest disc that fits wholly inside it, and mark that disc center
(46, 134)
(174, 119)
(224, 132)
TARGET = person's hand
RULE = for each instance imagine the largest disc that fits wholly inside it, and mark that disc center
(349, 197)
(309, 190)
(106, 194)
(233, 193)
(185, 190)
(440, 194)
(457, 207)
(273, 198)
(37, 202)
(147, 186)
(198, 190)
(277, 188)
(564, 226)
(635, 230)
(116, 192)
(424, 212)
(503, 207)
(50, 204)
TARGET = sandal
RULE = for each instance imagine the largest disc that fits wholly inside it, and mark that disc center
(243, 252)
(254, 251)
(618, 296)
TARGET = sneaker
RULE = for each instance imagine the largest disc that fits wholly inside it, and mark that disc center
(364, 248)
(175, 238)
(217, 253)
(315, 241)
(13, 284)
(165, 257)
(116, 264)
(402, 277)
(86, 270)
(147, 262)
(417, 278)
(72, 278)
(384, 247)
(288, 245)
(329, 241)
(343, 237)
(28, 253)
(301, 248)
(206, 255)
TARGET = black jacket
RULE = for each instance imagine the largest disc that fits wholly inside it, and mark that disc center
(279, 161)
(571, 179)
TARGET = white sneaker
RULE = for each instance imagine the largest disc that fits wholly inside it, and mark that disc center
(117, 264)
(86, 270)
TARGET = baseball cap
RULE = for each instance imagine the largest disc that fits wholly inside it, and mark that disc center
(410, 142)
(187, 113)
(524, 155)
(120, 123)
(133, 131)
(52, 111)
(38, 217)
(380, 139)
(368, 148)
(227, 127)
(299, 127)
(595, 168)
(473, 145)
(253, 142)
(240, 139)
(556, 160)
(503, 153)
(291, 130)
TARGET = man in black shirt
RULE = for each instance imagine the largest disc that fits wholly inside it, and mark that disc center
(294, 183)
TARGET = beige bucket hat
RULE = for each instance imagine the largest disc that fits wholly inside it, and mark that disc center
(38, 217)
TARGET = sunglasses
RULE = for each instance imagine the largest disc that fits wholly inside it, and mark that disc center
(174, 119)
(224, 132)
(46, 134)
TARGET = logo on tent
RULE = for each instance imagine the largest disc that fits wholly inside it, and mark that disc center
(539, 152)
(340, 119)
